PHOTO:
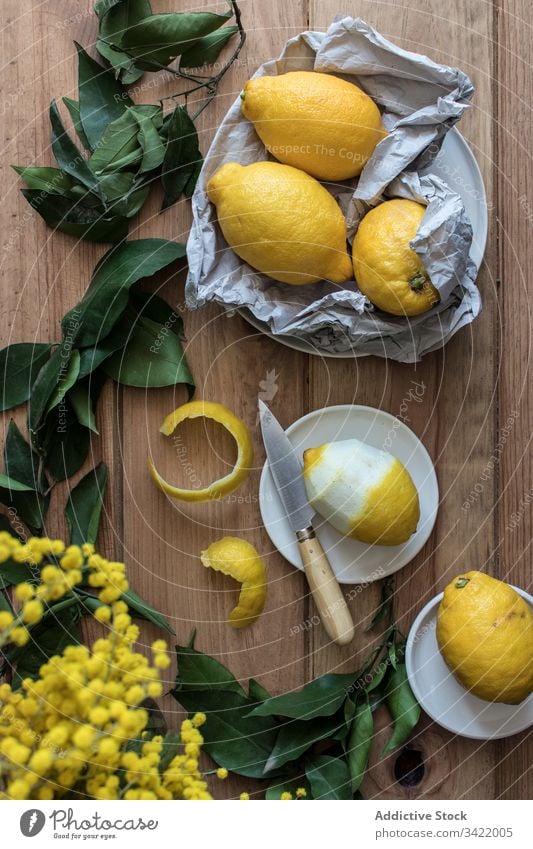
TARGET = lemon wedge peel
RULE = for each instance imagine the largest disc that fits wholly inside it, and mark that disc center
(235, 427)
(239, 559)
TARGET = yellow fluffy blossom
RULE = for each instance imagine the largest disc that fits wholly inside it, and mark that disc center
(286, 795)
(222, 772)
(301, 793)
(244, 797)
(80, 729)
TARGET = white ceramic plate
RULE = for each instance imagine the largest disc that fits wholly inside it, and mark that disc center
(444, 699)
(355, 562)
(457, 166)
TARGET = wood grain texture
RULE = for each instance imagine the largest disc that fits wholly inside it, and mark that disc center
(468, 391)
(514, 764)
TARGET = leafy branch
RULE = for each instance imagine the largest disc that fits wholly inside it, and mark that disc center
(318, 737)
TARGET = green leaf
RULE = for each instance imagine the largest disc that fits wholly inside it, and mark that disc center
(84, 506)
(74, 111)
(153, 355)
(359, 744)
(207, 50)
(329, 777)
(115, 186)
(256, 691)
(118, 148)
(115, 19)
(4, 601)
(233, 739)
(150, 142)
(20, 364)
(182, 157)
(76, 219)
(297, 736)
(171, 748)
(198, 671)
(102, 98)
(84, 396)
(107, 296)
(287, 785)
(50, 180)
(23, 465)
(10, 484)
(67, 376)
(145, 610)
(51, 636)
(65, 442)
(67, 154)
(403, 707)
(321, 697)
(384, 611)
(12, 573)
(91, 358)
(158, 39)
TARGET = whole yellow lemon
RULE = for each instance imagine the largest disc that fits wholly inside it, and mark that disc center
(485, 634)
(317, 122)
(281, 222)
(386, 269)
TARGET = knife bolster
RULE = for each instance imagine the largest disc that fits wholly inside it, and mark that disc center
(305, 534)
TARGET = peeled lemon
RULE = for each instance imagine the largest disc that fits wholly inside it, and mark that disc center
(386, 268)
(317, 122)
(239, 559)
(485, 635)
(281, 221)
(362, 491)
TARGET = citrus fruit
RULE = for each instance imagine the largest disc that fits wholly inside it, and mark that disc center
(362, 491)
(386, 268)
(485, 635)
(238, 558)
(326, 126)
(239, 432)
(281, 221)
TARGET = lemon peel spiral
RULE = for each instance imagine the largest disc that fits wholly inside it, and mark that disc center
(239, 559)
(235, 427)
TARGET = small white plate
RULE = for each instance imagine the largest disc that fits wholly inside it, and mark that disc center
(441, 695)
(457, 166)
(355, 562)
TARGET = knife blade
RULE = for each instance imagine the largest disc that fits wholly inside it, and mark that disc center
(286, 471)
(288, 478)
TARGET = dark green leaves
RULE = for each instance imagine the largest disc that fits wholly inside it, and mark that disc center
(296, 737)
(198, 671)
(144, 610)
(403, 707)
(322, 697)
(207, 50)
(359, 744)
(102, 99)
(84, 506)
(22, 465)
(107, 296)
(183, 159)
(158, 39)
(115, 19)
(19, 365)
(329, 778)
(67, 154)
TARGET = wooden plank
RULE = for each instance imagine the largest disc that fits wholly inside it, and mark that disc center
(514, 776)
(230, 361)
(455, 419)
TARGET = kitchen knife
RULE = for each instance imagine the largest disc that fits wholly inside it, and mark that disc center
(287, 473)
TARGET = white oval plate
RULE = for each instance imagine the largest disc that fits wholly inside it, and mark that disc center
(355, 562)
(442, 696)
(457, 166)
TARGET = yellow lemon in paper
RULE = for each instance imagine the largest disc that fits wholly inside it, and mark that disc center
(362, 491)
(281, 222)
(386, 268)
(317, 122)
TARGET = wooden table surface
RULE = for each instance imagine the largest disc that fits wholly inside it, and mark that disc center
(472, 388)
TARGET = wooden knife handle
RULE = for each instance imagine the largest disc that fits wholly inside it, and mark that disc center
(327, 594)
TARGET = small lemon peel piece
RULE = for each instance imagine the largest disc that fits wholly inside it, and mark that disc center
(239, 559)
(238, 430)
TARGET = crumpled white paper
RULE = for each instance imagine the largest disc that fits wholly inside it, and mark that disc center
(420, 101)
